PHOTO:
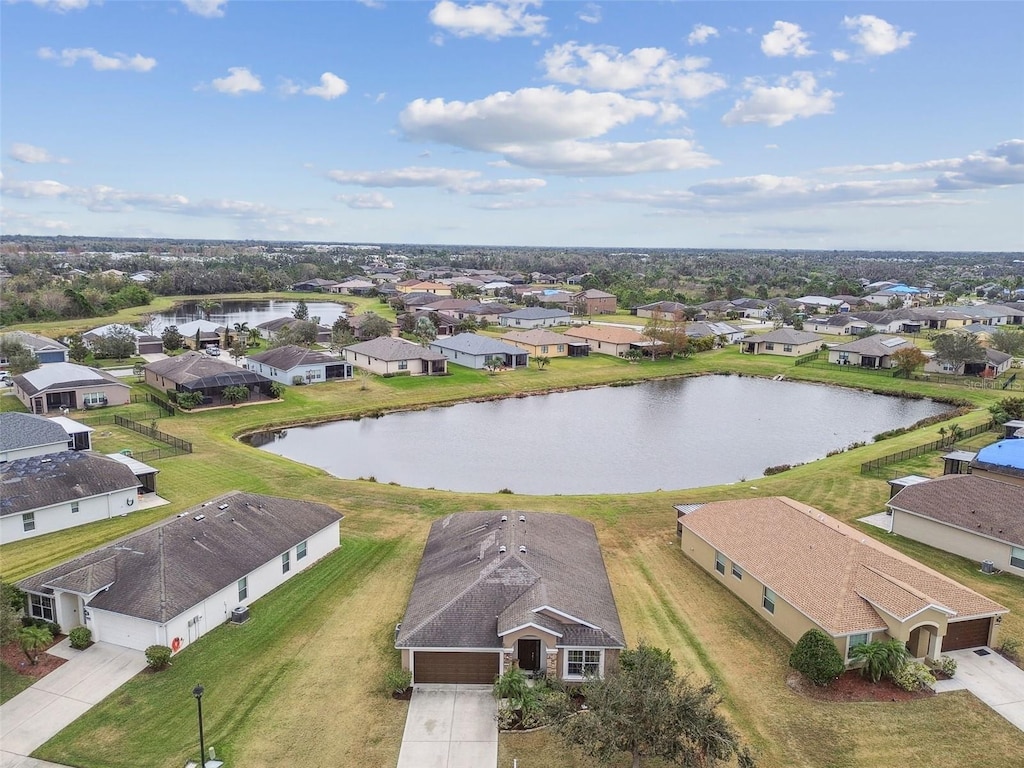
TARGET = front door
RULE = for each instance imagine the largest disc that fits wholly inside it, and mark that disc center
(529, 655)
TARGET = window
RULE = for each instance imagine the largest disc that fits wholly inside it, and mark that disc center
(769, 345)
(1017, 557)
(243, 588)
(286, 562)
(94, 398)
(853, 641)
(403, 365)
(787, 347)
(74, 507)
(544, 349)
(737, 572)
(28, 521)
(768, 600)
(561, 347)
(300, 551)
(720, 563)
(580, 663)
(40, 607)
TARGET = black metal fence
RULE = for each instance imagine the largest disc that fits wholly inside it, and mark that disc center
(944, 444)
(145, 397)
(176, 443)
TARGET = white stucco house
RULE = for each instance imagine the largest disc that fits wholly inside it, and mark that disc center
(173, 583)
(293, 364)
(51, 492)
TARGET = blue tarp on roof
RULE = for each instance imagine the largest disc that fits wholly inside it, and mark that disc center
(1005, 453)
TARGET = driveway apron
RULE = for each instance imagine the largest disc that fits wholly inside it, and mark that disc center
(38, 713)
(996, 681)
(450, 726)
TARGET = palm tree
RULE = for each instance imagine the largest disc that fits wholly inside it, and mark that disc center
(254, 336)
(33, 640)
(880, 659)
(206, 307)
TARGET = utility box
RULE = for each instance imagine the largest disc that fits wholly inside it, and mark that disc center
(240, 615)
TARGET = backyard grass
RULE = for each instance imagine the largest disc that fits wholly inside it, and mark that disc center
(297, 684)
(11, 683)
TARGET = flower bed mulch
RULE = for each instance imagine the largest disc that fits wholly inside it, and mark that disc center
(12, 655)
(852, 686)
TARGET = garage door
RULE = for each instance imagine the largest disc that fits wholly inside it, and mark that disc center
(121, 630)
(966, 634)
(455, 667)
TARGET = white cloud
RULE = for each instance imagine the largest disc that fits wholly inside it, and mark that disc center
(590, 13)
(701, 34)
(648, 71)
(840, 55)
(771, 146)
(875, 36)
(450, 179)
(68, 57)
(240, 80)
(28, 153)
(369, 201)
(501, 186)
(62, 6)
(46, 188)
(331, 87)
(375, 4)
(491, 20)
(786, 39)
(33, 223)
(792, 97)
(288, 87)
(584, 158)
(210, 9)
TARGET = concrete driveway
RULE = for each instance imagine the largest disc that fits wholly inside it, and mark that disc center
(991, 678)
(450, 726)
(38, 713)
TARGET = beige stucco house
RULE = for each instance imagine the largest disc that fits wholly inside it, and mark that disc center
(51, 388)
(608, 339)
(390, 356)
(539, 341)
(800, 569)
(783, 341)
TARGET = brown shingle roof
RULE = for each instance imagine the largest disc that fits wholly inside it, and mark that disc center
(981, 505)
(609, 333)
(824, 568)
(536, 337)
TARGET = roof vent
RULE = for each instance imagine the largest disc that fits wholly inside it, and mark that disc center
(222, 506)
(504, 518)
(197, 518)
(522, 518)
(502, 549)
(522, 550)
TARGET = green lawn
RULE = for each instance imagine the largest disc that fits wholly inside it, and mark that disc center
(11, 683)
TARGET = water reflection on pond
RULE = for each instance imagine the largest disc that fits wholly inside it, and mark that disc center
(254, 312)
(682, 433)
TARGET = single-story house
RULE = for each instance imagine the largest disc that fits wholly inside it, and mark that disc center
(976, 517)
(543, 343)
(609, 339)
(43, 494)
(174, 582)
(145, 343)
(868, 352)
(800, 569)
(475, 351)
(391, 356)
(1002, 460)
(700, 329)
(423, 286)
(995, 363)
(783, 341)
(662, 309)
(23, 435)
(272, 328)
(355, 286)
(356, 323)
(595, 302)
(497, 589)
(843, 324)
(45, 350)
(316, 284)
(67, 385)
(198, 372)
(535, 317)
(292, 364)
(210, 334)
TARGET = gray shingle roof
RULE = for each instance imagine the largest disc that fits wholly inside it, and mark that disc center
(977, 504)
(467, 593)
(63, 376)
(877, 345)
(25, 430)
(290, 355)
(474, 344)
(41, 481)
(191, 366)
(537, 313)
(391, 349)
(161, 572)
(787, 336)
(33, 341)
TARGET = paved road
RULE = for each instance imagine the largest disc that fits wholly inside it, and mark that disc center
(450, 726)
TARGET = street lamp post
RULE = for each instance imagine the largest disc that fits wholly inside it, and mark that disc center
(198, 693)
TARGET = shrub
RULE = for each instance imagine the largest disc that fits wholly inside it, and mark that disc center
(396, 680)
(51, 626)
(158, 656)
(80, 637)
(1010, 648)
(817, 657)
(505, 490)
(779, 468)
(298, 380)
(880, 659)
(913, 676)
(33, 639)
(946, 665)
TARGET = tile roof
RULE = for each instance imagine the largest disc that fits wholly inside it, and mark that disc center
(64, 376)
(291, 355)
(391, 349)
(468, 593)
(827, 570)
(610, 333)
(26, 430)
(166, 569)
(42, 481)
(474, 344)
(981, 505)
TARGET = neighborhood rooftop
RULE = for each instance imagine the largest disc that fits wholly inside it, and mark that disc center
(392, 349)
(24, 430)
(42, 481)
(291, 355)
(474, 344)
(64, 375)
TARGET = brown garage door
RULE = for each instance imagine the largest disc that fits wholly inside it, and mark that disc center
(966, 634)
(455, 667)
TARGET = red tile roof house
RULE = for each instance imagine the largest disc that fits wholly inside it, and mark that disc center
(800, 569)
(496, 589)
(173, 582)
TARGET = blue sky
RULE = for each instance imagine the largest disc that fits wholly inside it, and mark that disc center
(649, 124)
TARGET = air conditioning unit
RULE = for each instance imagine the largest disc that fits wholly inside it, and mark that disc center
(987, 566)
(240, 615)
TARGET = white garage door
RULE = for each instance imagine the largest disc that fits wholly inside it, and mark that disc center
(116, 629)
